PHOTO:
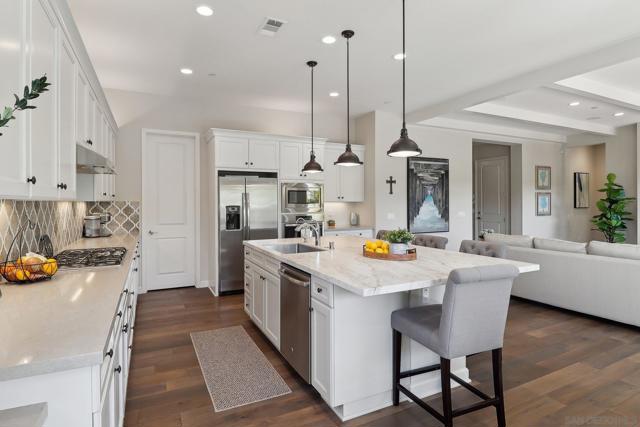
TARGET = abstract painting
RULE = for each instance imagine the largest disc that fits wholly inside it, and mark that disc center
(543, 204)
(580, 190)
(427, 195)
(543, 177)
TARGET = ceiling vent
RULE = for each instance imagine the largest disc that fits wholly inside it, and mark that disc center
(271, 26)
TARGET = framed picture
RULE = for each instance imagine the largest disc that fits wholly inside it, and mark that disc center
(543, 177)
(580, 190)
(427, 195)
(543, 204)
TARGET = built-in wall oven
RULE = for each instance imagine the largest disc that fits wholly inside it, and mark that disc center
(302, 197)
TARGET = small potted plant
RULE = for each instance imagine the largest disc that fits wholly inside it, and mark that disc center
(399, 240)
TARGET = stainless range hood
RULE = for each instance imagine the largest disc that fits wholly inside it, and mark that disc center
(90, 162)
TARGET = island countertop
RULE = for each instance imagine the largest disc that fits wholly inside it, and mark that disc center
(345, 266)
(63, 323)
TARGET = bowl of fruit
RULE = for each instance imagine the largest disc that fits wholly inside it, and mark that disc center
(381, 249)
(29, 269)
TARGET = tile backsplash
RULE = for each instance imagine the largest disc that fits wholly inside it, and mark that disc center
(62, 221)
(125, 216)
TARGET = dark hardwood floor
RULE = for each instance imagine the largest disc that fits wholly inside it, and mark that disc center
(560, 369)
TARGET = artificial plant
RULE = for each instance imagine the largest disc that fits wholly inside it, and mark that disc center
(613, 211)
(38, 86)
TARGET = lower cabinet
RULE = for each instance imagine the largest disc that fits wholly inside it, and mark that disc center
(368, 233)
(258, 301)
(272, 308)
(262, 301)
(322, 349)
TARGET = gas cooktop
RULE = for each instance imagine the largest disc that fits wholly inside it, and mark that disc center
(101, 257)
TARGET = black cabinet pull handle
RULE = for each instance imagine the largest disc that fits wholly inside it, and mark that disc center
(65, 186)
(130, 307)
(131, 346)
(32, 180)
(60, 186)
(125, 328)
(109, 353)
(118, 369)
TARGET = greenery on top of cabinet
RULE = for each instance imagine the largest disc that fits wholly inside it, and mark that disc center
(38, 86)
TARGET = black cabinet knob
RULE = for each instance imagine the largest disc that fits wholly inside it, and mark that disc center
(109, 353)
(90, 142)
(113, 195)
(251, 163)
(125, 328)
(118, 369)
(32, 180)
(131, 346)
(135, 269)
(120, 313)
(104, 194)
(319, 290)
(65, 186)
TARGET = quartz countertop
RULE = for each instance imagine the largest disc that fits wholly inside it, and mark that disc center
(62, 323)
(345, 266)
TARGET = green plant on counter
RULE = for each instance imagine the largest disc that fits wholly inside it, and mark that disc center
(38, 86)
(613, 211)
(398, 236)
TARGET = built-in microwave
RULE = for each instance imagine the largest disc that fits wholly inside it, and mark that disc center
(302, 197)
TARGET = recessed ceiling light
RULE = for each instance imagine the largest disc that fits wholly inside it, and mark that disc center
(574, 104)
(328, 40)
(204, 10)
(618, 114)
(334, 94)
(187, 71)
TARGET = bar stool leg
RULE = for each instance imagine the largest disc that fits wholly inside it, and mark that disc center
(445, 377)
(397, 348)
(496, 356)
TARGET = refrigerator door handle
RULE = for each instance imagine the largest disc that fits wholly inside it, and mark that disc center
(247, 203)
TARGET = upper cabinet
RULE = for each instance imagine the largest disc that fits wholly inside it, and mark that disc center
(293, 157)
(243, 152)
(342, 183)
(40, 38)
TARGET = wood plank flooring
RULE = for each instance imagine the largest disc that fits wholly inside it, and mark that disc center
(560, 369)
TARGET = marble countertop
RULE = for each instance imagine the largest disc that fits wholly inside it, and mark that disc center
(347, 228)
(63, 323)
(345, 266)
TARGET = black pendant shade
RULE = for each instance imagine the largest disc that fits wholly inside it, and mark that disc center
(404, 146)
(348, 158)
(312, 165)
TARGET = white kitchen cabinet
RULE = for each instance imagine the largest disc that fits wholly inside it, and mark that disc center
(293, 157)
(232, 152)
(341, 183)
(67, 129)
(272, 308)
(263, 154)
(258, 296)
(82, 102)
(322, 349)
(13, 173)
(367, 233)
(42, 135)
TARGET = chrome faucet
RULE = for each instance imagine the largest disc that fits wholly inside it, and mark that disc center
(310, 225)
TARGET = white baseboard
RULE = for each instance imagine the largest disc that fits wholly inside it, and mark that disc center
(203, 284)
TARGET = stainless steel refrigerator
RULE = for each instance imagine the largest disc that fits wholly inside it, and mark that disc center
(247, 210)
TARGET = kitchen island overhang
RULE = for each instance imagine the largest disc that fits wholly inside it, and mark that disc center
(352, 298)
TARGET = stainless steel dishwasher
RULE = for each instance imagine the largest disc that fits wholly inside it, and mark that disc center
(295, 331)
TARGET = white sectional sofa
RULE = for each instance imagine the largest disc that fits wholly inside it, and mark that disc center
(598, 278)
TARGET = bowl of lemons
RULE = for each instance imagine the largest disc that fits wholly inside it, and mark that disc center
(376, 246)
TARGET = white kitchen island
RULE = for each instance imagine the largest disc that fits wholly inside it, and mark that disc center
(352, 298)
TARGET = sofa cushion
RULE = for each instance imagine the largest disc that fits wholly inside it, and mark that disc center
(614, 250)
(559, 245)
(509, 240)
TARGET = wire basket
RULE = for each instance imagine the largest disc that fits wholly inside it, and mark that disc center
(26, 269)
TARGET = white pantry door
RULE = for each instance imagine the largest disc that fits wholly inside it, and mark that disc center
(169, 180)
(492, 195)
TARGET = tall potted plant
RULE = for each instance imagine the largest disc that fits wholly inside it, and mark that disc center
(613, 211)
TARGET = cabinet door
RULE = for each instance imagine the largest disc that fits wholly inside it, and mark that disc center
(263, 154)
(290, 154)
(67, 121)
(258, 297)
(352, 180)
(272, 309)
(232, 152)
(43, 138)
(82, 88)
(305, 153)
(322, 349)
(91, 107)
(332, 175)
(118, 383)
(13, 174)
(112, 187)
(107, 409)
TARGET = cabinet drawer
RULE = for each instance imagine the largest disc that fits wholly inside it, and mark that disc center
(322, 291)
(247, 304)
(252, 255)
(272, 265)
(247, 284)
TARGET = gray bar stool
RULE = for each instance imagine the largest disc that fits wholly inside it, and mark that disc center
(470, 320)
(490, 249)
(436, 242)
(381, 234)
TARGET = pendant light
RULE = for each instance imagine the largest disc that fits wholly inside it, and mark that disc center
(405, 146)
(312, 165)
(348, 158)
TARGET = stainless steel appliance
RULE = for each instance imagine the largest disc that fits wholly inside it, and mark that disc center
(91, 163)
(100, 257)
(291, 221)
(247, 210)
(91, 226)
(295, 319)
(105, 219)
(302, 197)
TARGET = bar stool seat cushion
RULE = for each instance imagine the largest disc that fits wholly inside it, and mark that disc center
(421, 324)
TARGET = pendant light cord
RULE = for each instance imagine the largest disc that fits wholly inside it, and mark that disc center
(348, 103)
(312, 152)
(404, 60)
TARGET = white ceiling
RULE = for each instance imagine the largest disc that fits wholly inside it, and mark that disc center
(454, 47)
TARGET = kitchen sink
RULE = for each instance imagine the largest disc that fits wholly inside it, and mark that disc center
(294, 248)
